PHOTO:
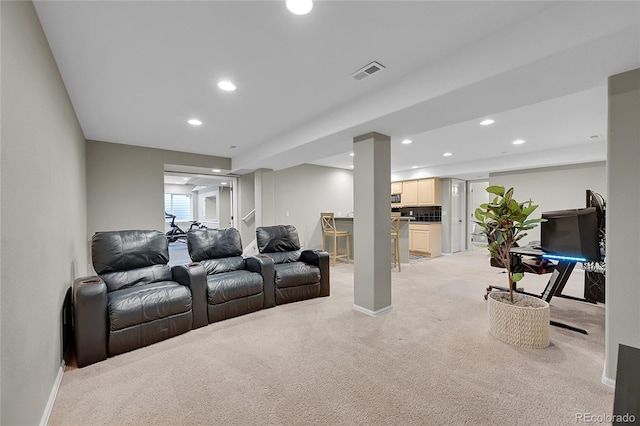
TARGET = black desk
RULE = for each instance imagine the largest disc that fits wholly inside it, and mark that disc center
(560, 272)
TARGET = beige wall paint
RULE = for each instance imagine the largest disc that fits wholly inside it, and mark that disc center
(554, 188)
(307, 190)
(125, 184)
(43, 212)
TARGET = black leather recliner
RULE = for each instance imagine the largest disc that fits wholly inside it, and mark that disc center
(235, 285)
(299, 274)
(136, 299)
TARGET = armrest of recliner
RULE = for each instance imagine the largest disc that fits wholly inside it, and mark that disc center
(263, 265)
(320, 259)
(90, 319)
(194, 276)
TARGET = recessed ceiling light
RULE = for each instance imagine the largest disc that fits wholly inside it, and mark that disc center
(414, 167)
(227, 86)
(447, 154)
(223, 183)
(518, 142)
(216, 170)
(487, 122)
(352, 154)
(195, 122)
(351, 166)
(299, 7)
(406, 141)
(185, 178)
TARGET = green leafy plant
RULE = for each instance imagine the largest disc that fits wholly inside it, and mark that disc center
(504, 221)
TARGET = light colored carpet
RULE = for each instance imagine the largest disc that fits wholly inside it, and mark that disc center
(430, 361)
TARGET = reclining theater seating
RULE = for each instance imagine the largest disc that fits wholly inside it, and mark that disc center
(235, 285)
(136, 299)
(299, 274)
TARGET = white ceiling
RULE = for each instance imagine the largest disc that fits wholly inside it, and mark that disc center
(137, 71)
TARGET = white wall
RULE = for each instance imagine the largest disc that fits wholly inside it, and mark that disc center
(304, 191)
(623, 218)
(43, 198)
(209, 209)
(554, 188)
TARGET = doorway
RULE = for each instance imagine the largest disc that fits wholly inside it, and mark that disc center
(207, 199)
(477, 195)
(458, 208)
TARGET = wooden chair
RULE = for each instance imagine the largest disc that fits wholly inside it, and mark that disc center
(329, 230)
(395, 239)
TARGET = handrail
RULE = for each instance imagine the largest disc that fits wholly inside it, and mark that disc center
(249, 215)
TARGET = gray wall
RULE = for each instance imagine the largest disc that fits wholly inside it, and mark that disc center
(554, 188)
(322, 189)
(246, 203)
(125, 184)
(43, 198)
(623, 219)
(224, 206)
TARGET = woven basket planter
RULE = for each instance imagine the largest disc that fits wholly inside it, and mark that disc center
(524, 326)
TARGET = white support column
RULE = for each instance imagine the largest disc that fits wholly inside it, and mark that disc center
(622, 292)
(372, 223)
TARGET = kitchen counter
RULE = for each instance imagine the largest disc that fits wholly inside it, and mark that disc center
(345, 223)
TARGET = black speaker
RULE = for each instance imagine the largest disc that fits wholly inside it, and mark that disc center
(627, 393)
(67, 325)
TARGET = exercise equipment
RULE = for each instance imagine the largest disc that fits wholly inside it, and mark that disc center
(175, 232)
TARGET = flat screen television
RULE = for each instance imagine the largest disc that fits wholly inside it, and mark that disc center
(571, 233)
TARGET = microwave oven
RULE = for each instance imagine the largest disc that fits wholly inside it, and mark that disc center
(395, 198)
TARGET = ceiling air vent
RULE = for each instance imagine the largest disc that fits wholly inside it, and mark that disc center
(367, 70)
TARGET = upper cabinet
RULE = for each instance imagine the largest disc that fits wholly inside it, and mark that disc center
(429, 192)
(410, 193)
(396, 188)
(417, 193)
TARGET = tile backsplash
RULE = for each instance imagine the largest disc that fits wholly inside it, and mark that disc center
(421, 214)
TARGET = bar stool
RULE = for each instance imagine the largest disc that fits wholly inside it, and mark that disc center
(395, 239)
(329, 230)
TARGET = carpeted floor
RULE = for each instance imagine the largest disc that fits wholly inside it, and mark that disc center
(430, 361)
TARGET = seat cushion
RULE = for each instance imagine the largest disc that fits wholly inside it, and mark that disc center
(232, 285)
(148, 302)
(295, 274)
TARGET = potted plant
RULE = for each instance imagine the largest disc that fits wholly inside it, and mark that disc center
(513, 317)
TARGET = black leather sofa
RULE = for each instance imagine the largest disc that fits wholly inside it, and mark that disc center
(235, 285)
(298, 274)
(136, 299)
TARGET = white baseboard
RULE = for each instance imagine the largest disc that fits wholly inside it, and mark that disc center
(370, 312)
(52, 396)
(607, 381)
